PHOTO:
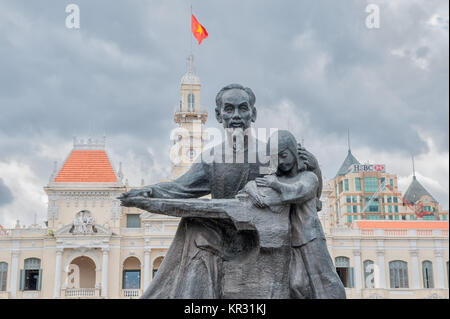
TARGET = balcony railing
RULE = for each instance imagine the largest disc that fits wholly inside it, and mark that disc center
(82, 292)
(131, 293)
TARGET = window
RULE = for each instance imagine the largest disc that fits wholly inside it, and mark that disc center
(398, 274)
(390, 209)
(391, 183)
(340, 187)
(389, 199)
(131, 279)
(3, 275)
(344, 271)
(131, 275)
(370, 184)
(382, 182)
(357, 183)
(349, 209)
(191, 102)
(31, 276)
(427, 270)
(355, 209)
(133, 221)
(346, 184)
(395, 209)
(369, 274)
(395, 199)
(348, 199)
(349, 219)
(354, 199)
(372, 206)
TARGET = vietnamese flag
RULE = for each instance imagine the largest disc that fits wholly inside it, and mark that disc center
(198, 30)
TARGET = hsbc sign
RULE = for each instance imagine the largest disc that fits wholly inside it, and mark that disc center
(369, 168)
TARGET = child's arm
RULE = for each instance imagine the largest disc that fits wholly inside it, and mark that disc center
(298, 192)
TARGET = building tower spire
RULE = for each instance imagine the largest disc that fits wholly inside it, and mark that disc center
(348, 140)
(414, 170)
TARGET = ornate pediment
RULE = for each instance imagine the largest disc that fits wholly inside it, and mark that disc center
(83, 225)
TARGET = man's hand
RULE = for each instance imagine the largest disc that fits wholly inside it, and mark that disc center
(309, 159)
(268, 181)
(125, 199)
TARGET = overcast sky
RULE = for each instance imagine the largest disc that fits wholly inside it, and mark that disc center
(315, 67)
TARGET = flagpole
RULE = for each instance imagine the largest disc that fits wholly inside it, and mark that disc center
(190, 36)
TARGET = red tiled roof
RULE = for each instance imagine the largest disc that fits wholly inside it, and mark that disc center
(380, 224)
(87, 166)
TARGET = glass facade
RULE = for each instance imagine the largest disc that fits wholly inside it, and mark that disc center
(358, 184)
(372, 206)
(370, 184)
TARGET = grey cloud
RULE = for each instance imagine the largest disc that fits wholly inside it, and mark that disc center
(6, 195)
(119, 74)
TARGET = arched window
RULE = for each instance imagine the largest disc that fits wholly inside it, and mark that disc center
(3, 275)
(344, 271)
(131, 276)
(398, 274)
(191, 102)
(31, 275)
(369, 274)
(427, 271)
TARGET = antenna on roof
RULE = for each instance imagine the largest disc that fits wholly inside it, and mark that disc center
(414, 170)
(348, 139)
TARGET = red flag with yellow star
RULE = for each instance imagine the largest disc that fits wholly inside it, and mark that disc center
(198, 30)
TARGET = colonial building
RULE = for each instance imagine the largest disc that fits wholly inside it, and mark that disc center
(92, 247)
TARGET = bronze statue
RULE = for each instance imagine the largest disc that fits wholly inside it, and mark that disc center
(223, 248)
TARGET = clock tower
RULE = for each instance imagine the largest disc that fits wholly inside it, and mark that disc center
(190, 116)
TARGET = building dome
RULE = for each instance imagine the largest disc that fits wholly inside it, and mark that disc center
(190, 78)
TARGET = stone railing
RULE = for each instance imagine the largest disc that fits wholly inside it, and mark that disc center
(395, 232)
(131, 293)
(424, 233)
(81, 292)
(389, 232)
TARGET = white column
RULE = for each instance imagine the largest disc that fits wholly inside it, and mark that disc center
(415, 268)
(381, 282)
(146, 268)
(14, 272)
(357, 259)
(440, 269)
(57, 288)
(105, 273)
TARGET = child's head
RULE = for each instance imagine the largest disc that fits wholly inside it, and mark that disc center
(283, 145)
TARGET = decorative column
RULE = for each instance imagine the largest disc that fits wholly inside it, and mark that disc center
(440, 269)
(14, 271)
(357, 259)
(415, 268)
(147, 252)
(381, 282)
(105, 272)
(57, 289)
